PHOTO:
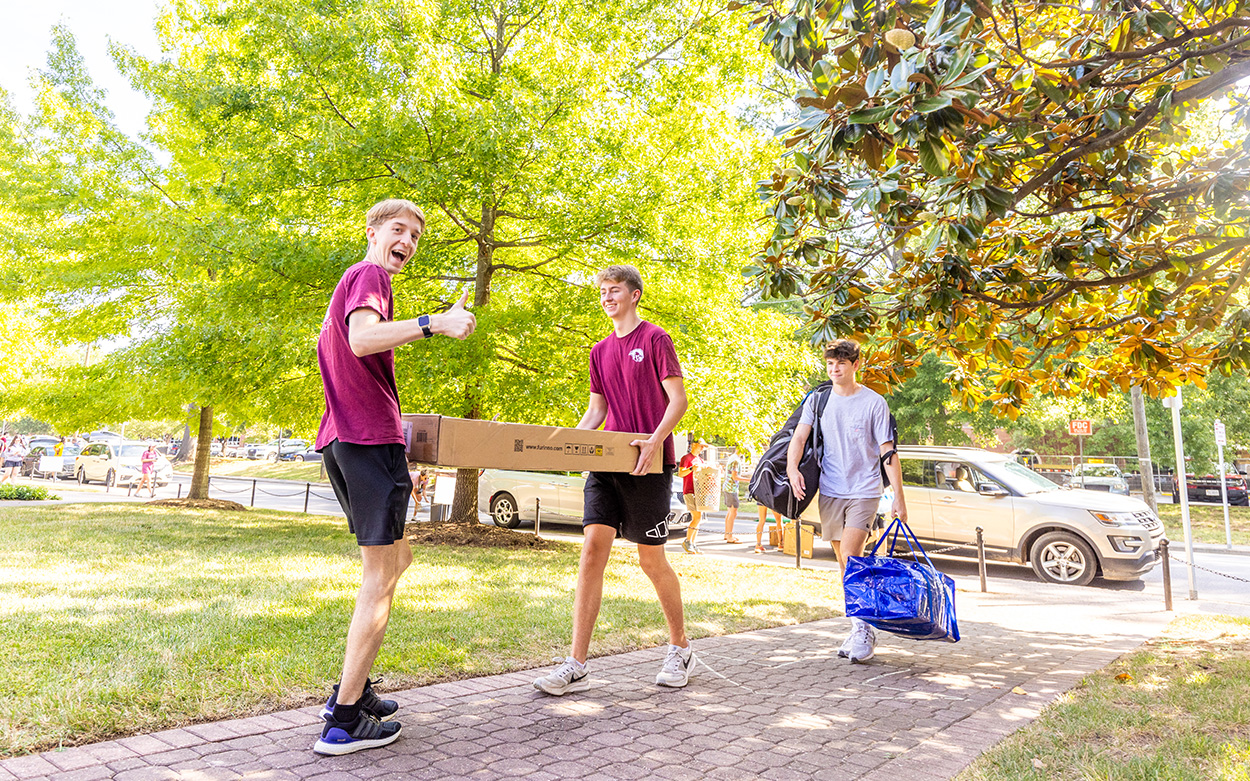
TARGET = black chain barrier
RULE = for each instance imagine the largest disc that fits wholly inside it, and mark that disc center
(270, 493)
(1206, 569)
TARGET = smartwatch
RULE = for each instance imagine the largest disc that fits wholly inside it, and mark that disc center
(424, 322)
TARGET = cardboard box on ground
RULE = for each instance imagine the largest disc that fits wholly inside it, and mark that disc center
(787, 544)
(490, 444)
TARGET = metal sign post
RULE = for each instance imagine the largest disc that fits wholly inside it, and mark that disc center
(1174, 403)
(1080, 429)
(1219, 449)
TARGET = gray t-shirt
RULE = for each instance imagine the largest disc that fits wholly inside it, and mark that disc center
(852, 430)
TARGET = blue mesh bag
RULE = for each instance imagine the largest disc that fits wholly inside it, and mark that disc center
(909, 598)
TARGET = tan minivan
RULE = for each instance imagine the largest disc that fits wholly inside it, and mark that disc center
(1068, 535)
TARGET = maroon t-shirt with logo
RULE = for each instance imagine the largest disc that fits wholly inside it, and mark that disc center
(628, 372)
(362, 399)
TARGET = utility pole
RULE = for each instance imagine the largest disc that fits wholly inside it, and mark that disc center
(1143, 450)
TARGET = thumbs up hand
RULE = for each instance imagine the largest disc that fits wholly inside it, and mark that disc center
(456, 322)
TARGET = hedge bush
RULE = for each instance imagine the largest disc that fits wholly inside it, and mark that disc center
(27, 492)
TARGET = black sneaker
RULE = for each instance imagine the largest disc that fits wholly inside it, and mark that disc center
(380, 709)
(337, 739)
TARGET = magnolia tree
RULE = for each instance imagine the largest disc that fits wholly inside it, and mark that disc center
(1016, 186)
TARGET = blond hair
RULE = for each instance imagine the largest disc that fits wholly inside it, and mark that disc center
(384, 211)
(627, 274)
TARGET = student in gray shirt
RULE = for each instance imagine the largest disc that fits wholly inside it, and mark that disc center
(855, 433)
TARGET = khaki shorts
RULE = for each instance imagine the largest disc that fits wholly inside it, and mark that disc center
(691, 505)
(837, 513)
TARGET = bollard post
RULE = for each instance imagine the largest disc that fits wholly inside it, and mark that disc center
(798, 544)
(537, 515)
(254, 493)
(130, 487)
(981, 556)
(1167, 574)
(180, 490)
(307, 489)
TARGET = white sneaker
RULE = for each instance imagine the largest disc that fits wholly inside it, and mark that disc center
(862, 644)
(845, 650)
(676, 669)
(568, 677)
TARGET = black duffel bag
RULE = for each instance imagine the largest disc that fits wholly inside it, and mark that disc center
(769, 484)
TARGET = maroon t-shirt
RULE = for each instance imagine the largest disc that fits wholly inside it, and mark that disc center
(362, 400)
(628, 372)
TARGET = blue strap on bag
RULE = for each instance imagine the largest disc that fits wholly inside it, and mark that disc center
(909, 598)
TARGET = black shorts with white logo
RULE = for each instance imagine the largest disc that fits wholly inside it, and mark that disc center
(637, 506)
(373, 487)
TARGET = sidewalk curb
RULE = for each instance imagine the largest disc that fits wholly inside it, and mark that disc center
(1237, 550)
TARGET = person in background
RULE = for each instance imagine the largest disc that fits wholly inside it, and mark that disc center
(420, 479)
(729, 489)
(685, 470)
(14, 452)
(147, 469)
(60, 447)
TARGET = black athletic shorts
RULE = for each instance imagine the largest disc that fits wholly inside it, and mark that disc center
(373, 487)
(637, 506)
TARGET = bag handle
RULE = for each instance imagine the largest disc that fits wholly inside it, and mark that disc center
(895, 527)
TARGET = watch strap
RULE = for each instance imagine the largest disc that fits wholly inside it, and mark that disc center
(424, 322)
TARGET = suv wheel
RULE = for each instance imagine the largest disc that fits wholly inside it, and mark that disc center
(503, 511)
(300, 458)
(82, 476)
(1061, 557)
(110, 479)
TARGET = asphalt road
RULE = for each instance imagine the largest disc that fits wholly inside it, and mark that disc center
(1222, 580)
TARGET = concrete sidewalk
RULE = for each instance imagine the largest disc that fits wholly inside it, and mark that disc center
(774, 704)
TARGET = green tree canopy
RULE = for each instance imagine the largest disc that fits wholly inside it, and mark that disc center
(1015, 186)
(544, 141)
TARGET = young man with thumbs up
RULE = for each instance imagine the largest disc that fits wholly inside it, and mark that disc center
(362, 442)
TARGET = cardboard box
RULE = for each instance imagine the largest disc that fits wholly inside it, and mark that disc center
(787, 546)
(491, 444)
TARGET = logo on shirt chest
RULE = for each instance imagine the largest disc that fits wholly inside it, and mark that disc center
(636, 354)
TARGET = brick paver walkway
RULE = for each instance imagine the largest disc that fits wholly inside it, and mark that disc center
(775, 704)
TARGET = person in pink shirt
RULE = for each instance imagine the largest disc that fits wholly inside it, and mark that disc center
(636, 385)
(362, 444)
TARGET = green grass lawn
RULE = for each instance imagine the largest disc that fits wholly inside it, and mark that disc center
(1177, 709)
(242, 467)
(120, 619)
(1207, 522)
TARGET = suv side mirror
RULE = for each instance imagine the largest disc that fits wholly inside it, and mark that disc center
(990, 489)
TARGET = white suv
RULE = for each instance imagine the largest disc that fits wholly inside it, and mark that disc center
(117, 463)
(1067, 535)
(509, 497)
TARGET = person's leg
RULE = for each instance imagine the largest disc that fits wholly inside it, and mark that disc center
(856, 515)
(759, 529)
(730, 517)
(596, 549)
(655, 566)
(382, 566)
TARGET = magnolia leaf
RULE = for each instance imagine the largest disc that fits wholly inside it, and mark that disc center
(933, 157)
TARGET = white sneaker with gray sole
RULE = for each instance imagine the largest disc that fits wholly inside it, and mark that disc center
(862, 644)
(677, 666)
(569, 676)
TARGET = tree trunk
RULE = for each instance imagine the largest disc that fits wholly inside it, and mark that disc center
(1143, 449)
(464, 505)
(203, 449)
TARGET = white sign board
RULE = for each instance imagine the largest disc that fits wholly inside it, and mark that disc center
(1219, 434)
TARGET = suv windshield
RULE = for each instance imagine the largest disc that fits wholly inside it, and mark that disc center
(1023, 479)
(132, 451)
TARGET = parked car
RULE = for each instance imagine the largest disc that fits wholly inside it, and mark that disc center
(1067, 535)
(115, 463)
(1099, 477)
(270, 450)
(509, 497)
(1207, 489)
(307, 454)
(32, 462)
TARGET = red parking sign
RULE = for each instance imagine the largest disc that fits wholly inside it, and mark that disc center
(1080, 428)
